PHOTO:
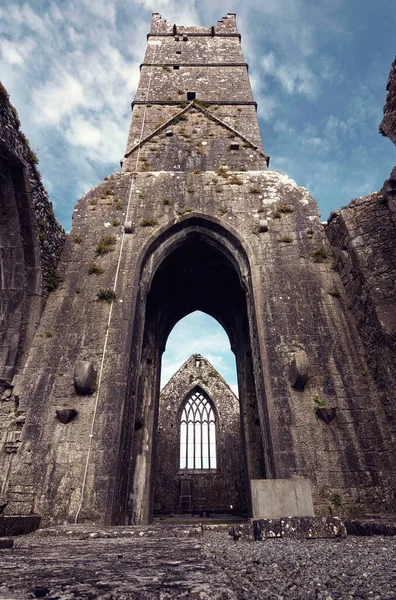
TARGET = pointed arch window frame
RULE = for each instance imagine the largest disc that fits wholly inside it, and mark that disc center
(198, 432)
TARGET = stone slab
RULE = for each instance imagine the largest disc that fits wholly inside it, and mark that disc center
(18, 525)
(276, 498)
(298, 528)
(367, 527)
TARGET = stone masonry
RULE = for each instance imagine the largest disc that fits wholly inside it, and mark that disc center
(388, 123)
(195, 220)
(221, 489)
(31, 241)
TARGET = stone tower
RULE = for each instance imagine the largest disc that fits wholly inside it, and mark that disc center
(195, 220)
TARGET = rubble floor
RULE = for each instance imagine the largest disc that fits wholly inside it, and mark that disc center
(164, 562)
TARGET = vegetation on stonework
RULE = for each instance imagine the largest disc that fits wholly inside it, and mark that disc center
(52, 280)
(319, 404)
(148, 222)
(336, 500)
(335, 294)
(285, 239)
(276, 215)
(223, 210)
(254, 190)
(223, 172)
(202, 103)
(184, 210)
(285, 209)
(167, 202)
(106, 245)
(235, 180)
(116, 222)
(93, 201)
(106, 192)
(16, 116)
(106, 295)
(32, 156)
(3, 92)
(179, 118)
(118, 205)
(95, 269)
(320, 254)
(77, 239)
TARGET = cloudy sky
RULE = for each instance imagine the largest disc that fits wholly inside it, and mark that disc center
(318, 67)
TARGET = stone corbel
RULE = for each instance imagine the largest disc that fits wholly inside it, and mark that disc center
(84, 377)
(298, 373)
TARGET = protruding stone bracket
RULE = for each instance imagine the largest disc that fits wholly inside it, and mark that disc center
(128, 227)
(65, 415)
(298, 373)
(84, 377)
(326, 414)
(263, 226)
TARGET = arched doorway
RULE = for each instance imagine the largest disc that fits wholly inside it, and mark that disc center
(195, 265)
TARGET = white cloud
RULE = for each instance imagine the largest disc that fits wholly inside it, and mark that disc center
(11, 52)
(295, 77)
(56, 99)
(84, 134)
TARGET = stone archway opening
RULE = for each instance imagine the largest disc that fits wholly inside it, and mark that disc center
(195, 269)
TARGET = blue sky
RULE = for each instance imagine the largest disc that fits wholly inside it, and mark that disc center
(318, 68)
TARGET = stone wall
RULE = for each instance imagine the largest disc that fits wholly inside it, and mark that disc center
(216, 231)
(363, 238)
(31, 241)
(220, 489)
(388, 124)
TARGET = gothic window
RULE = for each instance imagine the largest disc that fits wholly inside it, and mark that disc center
(198, 433)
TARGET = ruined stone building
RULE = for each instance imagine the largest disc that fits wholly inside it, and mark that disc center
(200, 468)
(195, 220)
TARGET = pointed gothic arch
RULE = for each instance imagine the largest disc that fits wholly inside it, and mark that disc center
(194, 264)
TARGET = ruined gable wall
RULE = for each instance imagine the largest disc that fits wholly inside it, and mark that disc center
(300, 305)
(31, 241)
(210, 490)
(388, 124)
(363, 238)
(297, 302)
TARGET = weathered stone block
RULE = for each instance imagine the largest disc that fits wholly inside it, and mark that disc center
(299, 528)
(274, 498)
(84, 377)
(18, 525)
(299, 370)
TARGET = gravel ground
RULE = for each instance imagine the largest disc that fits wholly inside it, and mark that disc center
(172, 563)
(355, 567)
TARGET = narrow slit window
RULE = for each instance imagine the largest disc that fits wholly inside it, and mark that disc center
(190, 96)
(198, 434)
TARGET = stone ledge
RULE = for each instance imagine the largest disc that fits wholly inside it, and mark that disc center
(86, 532)
(18, 524)
(299, 528)
(366, 527)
